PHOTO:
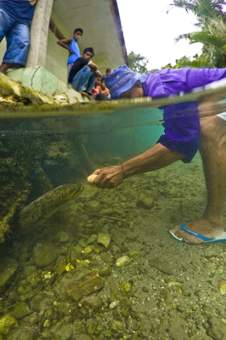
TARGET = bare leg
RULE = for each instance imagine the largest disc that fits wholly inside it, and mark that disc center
(213, 151)
(4, 67)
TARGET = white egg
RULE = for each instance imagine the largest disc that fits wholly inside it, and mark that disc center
(91, 178)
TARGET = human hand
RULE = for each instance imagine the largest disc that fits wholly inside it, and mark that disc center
(108, 177)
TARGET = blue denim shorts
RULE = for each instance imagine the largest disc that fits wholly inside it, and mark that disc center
(17, 38)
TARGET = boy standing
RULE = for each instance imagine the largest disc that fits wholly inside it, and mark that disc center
(15, 21)
(72, 46)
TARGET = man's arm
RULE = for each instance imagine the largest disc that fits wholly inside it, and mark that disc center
(65, 43)
(154, 158)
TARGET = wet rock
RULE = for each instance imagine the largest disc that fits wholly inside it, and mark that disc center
(39, 302)
(163, 266)
(126, 286)
(87, 250)
(114, 304)
(22, 334)
(21, 310)
(177, 328)
(61, 264)
(86, 285)
(8, 267)
(63, 331)
(104, 239)
(63, 237)
(44, 254)
(122, 261)
(145, 202)
(83, 337)
(217, 329)
(6, 323)
(222, 287)
(92, 301)
(92, 239)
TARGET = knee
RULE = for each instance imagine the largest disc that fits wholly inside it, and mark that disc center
(209, 127)
(213, 130)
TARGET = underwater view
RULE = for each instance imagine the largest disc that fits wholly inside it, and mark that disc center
(82, 262)
(112, 170)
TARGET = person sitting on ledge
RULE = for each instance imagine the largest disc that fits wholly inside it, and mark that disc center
(184, 134)
(100, 91)
(83, 72)
(15, 21)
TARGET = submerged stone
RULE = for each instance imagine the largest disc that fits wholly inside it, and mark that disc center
(145, 202)
(21, 310)
(122, 261)
(86, 285)
(104, 239)
(222, 287)
(63, 237)
(44, 254)
(6, 323)
(8, 267)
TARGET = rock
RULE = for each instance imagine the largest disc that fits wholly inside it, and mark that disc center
(92, 239)
(22, 334)
(61, 263)
(92, 301)
(217, 328)
(83, 337)
(6, 323)
(145, 202)
(222, 287)
(177, 328)
(8, 267)
(86, 285)
(87, 250)
(63, 331)
(114, 304)
(104, 239)
(21, 310)
(63, 237)
(126, 286)
(122, 261)
(44, 254)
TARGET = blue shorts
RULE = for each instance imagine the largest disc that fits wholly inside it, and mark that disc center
(182, 129)
(17, 38)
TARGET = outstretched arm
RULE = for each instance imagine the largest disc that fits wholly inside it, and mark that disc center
(65, 43)
(154, 158)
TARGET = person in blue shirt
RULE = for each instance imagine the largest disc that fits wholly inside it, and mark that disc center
(15, 21)
(72, 46)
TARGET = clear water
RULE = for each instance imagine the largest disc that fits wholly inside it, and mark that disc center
(86, 263)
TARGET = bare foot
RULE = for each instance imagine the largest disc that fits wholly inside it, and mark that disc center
(203, 226)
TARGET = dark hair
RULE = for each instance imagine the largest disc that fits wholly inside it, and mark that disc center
(108, 70)
(89, 49)
(78, 30)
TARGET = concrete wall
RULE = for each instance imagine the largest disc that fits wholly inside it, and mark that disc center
(102, 31)
(98, 19)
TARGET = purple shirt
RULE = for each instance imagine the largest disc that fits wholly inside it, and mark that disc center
(170, 82)
(181, 121)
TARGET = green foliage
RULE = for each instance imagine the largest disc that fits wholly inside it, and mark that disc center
(137, 62)
(212, 32)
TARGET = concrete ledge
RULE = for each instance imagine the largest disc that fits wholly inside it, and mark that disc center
(41, 80)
